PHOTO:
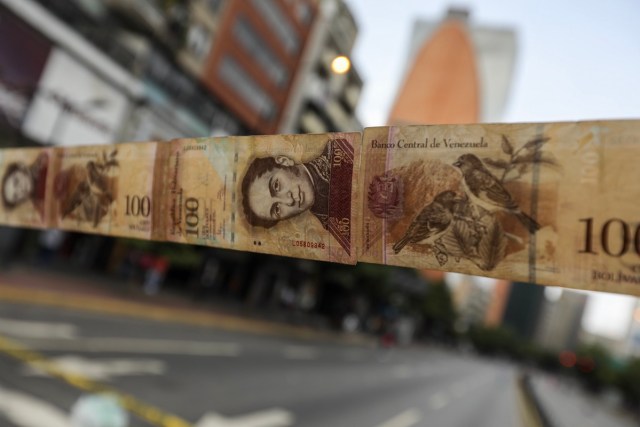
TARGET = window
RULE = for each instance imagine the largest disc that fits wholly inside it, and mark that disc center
(198, 40)
(303, 12)
(241, 82)
(279, 24)
(260, 51)
(215, 5)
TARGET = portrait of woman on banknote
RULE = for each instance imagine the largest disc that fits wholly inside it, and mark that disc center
(277, 188)
(22, 182)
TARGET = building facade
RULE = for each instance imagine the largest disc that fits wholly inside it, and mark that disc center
(254, 57)
(457, 72)
(322, 100)
(561, 321)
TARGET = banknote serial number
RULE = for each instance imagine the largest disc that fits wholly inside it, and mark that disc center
(308, 244)
(199, 147)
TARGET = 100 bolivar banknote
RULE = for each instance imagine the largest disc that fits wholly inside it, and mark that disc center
(554, 203)
(291, 195)
(546, 203)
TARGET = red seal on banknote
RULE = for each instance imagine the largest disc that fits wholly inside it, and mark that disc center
(386, 196)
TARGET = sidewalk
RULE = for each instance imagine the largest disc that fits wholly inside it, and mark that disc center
(567, 405)
(106, 295)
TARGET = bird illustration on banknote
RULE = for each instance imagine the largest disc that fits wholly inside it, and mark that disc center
(431, 222)
(485, 190)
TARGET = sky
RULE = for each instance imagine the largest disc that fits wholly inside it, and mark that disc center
(576, 60)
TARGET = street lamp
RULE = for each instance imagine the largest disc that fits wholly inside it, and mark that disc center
(340, 64)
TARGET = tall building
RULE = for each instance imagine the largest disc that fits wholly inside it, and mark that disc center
(471, 300)
(560, 322)
(254, 57)
(322, 100)
(498, 303)
(633, 336)
(523, 311)
(457, 72)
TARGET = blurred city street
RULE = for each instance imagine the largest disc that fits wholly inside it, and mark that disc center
(239, 374)
(121, 304)
(195, 372)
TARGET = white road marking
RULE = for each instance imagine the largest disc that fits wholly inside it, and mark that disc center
(28, 329)
(299, 352)
(438, 400)
(28, 411)
(102, 370)
(407, 418)
(275, 417)
(139, 346)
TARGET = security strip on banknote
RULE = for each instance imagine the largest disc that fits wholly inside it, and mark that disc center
(553, 203)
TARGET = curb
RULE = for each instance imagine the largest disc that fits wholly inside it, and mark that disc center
(533, 414)
(149, 311)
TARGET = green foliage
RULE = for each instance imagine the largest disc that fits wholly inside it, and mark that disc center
(629, 382)
(595, 367)
(495, 341)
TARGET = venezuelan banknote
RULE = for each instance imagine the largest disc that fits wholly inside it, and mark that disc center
(104, 189)
(291, 195)
(555, 203)
(26, 186)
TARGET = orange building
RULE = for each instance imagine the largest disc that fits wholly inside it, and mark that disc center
(457, 73)
(254, 57)
(498, 303)
(442, 85)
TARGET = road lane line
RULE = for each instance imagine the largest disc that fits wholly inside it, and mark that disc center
(29, 411)
(407, 418)
(139, 345)
(102, 370)
(152, 415)
(28, 329)
(438, 400)
(275, 417)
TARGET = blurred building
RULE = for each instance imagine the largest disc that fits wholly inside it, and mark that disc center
(255, 56)
(633, 337)
(71, 92)
(322, 100)
(524, 309)
(471, 300)
(498, 303)
(457, 72)
(560, 321)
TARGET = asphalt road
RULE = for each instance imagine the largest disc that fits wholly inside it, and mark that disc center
(213, 378)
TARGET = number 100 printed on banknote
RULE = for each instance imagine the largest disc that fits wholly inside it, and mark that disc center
(551, 203)
(290, 195)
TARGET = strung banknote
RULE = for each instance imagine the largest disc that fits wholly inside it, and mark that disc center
(291, 195)
(26, 181)
(104, 189)
(552, 203)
